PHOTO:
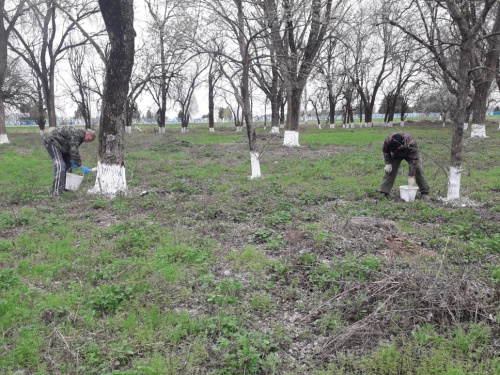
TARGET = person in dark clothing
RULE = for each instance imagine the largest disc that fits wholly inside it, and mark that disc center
(398, 147)
(62, 145)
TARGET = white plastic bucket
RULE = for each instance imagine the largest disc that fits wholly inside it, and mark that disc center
(408, 193)
(73, 181)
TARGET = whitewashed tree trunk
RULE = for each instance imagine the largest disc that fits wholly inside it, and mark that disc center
(110, 180)
(478, 131)
(161, 129)
(128, 129)
(332, 126)
(466, 126)
(275, 130)
(389, 124)
(212, 130)
(402, 123)
(255, 163)
(454, 183)
(4, 139)
(282, 126)
(291, 138)
(362, 124)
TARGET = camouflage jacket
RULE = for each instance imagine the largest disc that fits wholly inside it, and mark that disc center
(408, 152)
(67, 139)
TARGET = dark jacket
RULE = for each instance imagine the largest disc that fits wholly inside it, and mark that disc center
(408, 152)
(67, 139)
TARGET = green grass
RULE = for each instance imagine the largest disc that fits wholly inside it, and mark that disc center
(211, 272)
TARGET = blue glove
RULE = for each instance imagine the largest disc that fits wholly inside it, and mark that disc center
(85, 169)
(73, 164)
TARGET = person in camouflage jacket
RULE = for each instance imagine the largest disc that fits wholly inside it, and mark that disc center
(398, 147)
(62, 145)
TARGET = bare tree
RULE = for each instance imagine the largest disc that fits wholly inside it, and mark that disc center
(7, 23)
(184, 88)
(118, 17)
(79, 90)
(240, 27)
(167, 30)
(298, 30)
(45, 40)
(370, 47)
(331, 75)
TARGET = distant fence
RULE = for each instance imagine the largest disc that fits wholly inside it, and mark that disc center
(80, 122)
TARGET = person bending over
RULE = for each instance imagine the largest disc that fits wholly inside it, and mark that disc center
(398, 147)
(62, 145)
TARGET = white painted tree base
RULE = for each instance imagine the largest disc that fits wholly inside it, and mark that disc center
(402, 124)
(362, 125)
(466, 126)
(239, 128)
(212, 130)
(110, 180)
(478, 131)
(332, 126)
(42, 133)
(369, 124)
(184, 130)
(275, 130)
(291, 138)
(255, 163)
(128, 129)
(161, 129)
(282, 126)
(4, 139)
(454, 184)
(352, 125)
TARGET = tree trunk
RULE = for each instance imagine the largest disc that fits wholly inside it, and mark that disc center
(458, 115)
(331, 112)
(292, 118)
(3, 131)
(118, 17)
(3, 70)
(479, 106)
(211, 121)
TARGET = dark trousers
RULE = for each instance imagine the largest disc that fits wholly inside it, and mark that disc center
(389, 178)
(62, 163)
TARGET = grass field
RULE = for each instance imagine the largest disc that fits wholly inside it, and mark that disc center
(200, 270)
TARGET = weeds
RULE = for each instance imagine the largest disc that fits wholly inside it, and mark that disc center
(211, 272)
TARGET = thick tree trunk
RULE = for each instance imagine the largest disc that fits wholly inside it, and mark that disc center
(479, 107)
(118, 16)
(292, 120)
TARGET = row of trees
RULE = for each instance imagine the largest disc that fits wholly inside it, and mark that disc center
(332, 54)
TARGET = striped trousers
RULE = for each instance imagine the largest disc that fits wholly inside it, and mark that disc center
(62, 163)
